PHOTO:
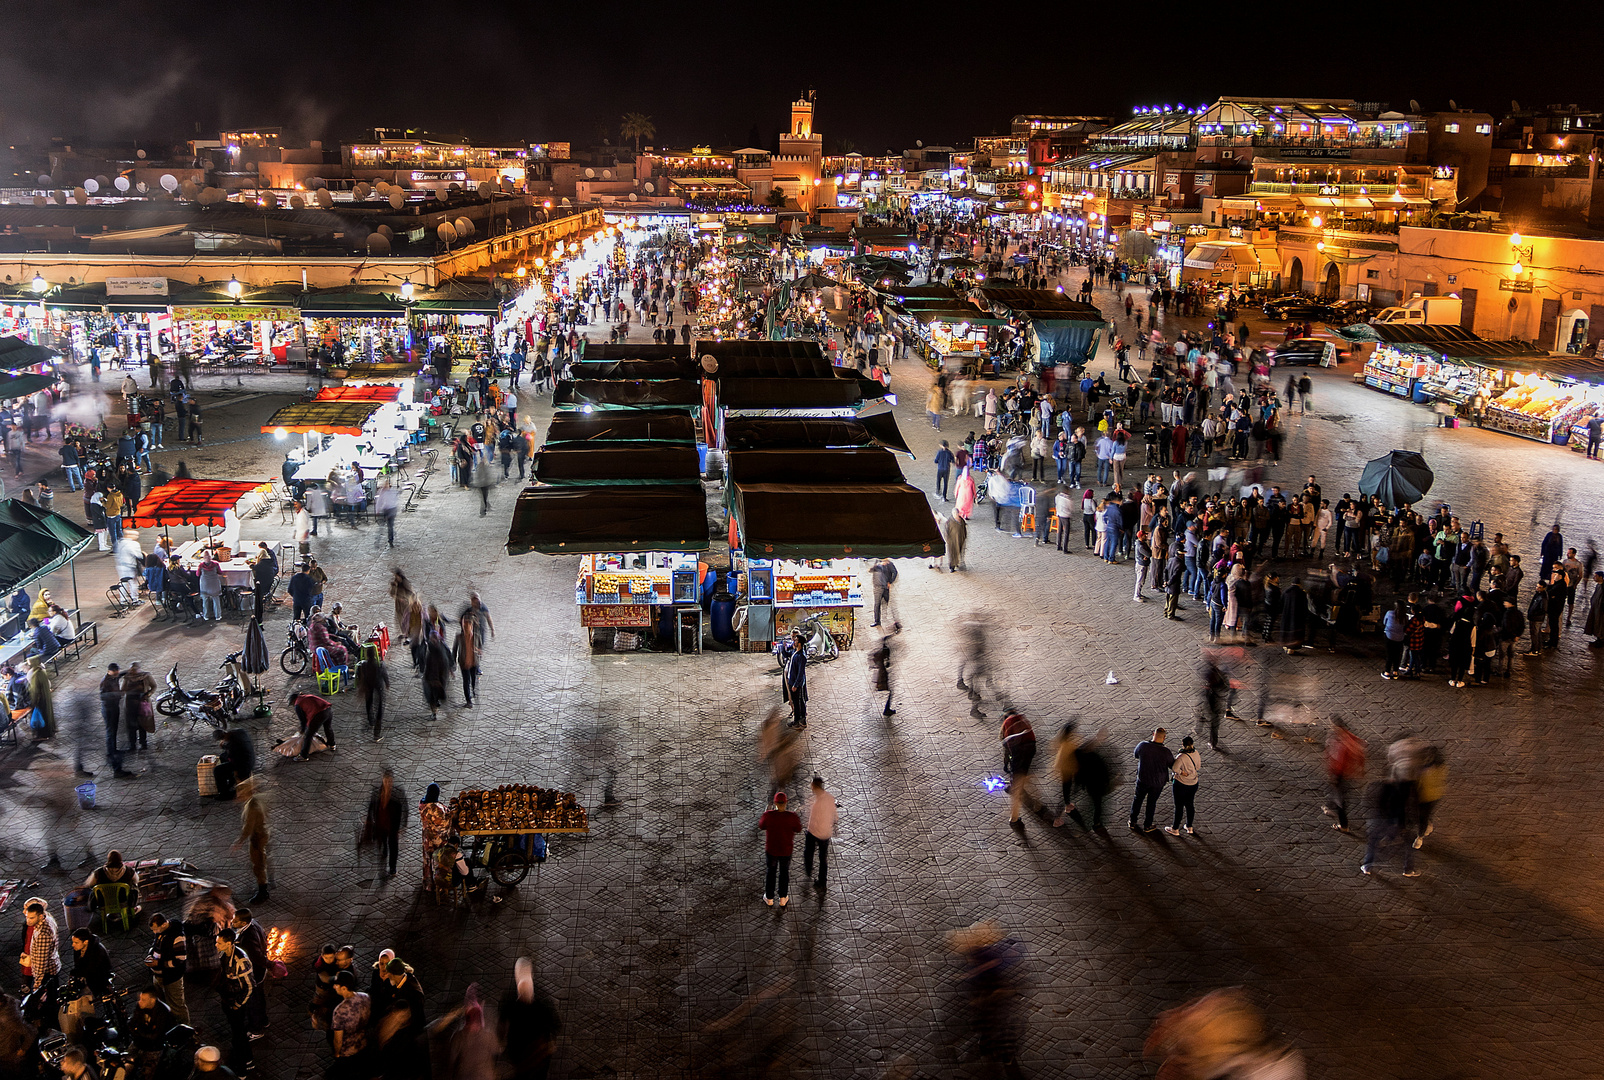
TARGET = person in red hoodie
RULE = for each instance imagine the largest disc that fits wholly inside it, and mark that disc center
(780, 827)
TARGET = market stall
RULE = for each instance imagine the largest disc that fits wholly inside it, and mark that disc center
(463, 325)
(1058, 330)
(213, 325)
(348, 326)
(1550, 402)
(503, 830)
(361, 392)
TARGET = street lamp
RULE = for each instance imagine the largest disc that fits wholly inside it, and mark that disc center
(406, 290)
(39, 282)
(234, 287)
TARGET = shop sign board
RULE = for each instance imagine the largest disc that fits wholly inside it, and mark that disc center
(1515, 285)
(615, 615)
(237, 313)
(136, 286)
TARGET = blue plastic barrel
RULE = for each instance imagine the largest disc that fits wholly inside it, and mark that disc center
(701, 458)
(723, 618)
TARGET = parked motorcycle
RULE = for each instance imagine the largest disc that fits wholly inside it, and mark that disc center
(216, 707)
(297, 656)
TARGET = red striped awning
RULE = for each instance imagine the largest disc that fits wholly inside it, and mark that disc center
(191, 502)
(359, 393)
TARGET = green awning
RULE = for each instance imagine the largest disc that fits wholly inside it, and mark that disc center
(483, 306)
(35, 542)
(864, 521)
(602, 519)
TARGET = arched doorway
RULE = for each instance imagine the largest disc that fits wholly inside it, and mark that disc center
(1332, 288)
(1295, 276)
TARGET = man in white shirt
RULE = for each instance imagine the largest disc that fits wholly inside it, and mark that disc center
(821, 827)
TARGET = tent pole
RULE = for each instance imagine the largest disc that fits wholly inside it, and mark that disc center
(73, 566)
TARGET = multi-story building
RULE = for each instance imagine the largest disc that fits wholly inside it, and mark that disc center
(797, 166)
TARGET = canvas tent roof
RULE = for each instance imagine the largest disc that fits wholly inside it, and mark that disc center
(327, 417)
(813, 432)
(191, 502)
(359, 393)
(640, 426)
(606, 518)
(629, 393)
(35, 542)
(568, 464)
(790, 521)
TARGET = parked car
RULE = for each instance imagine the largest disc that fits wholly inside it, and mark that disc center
(1296, 308)
(1346, 312)
(1305, 352)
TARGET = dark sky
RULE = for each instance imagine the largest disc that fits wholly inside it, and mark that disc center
(886, 74)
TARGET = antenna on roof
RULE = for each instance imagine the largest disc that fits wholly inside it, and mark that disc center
(1414, 106)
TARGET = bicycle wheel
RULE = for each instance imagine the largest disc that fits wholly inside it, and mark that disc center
(294, 660)
(509, 868)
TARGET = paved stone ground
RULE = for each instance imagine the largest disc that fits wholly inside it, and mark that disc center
(650, 934)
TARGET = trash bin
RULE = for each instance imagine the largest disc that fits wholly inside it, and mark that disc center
(86, 796)
(723, 616)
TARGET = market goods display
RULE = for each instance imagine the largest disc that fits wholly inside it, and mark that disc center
(1536, 401)
(517, 808)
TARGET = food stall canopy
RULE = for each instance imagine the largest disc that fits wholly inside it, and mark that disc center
(644, 426)
(1040, 303)
(35, 542)
(789, 521)
(1527, 361)
(609, 518)
(191, 502)
(624, 350)
(469, 306)
(722, 350)
(327, 417)
(16, 386)
(1206, 256)
(376, 372)
(358, 393)
(813, 281)
(957, 315)
(1407, 333)
(604, 464)
(16, 354)
(339, 304)
(667, 368)
(744, 366)
(814, 432)
(858, 465)
(628, 393)
(791, 393)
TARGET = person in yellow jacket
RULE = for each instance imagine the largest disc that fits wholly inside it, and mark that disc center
(1429, 789)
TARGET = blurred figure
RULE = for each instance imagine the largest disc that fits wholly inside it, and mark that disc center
(1220, 1036)
(1389, 823)
(1430, 786)
(528, 1025)
(880, 673)
(989, 985)
(780, 746)
(1345, 762)
(974, 661)
(1019, 751)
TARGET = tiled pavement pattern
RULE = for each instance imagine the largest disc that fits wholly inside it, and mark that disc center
(650, 933)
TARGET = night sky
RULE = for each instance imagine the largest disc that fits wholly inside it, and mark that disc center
(886, 75)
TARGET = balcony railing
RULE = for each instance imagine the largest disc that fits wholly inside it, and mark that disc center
(1380, 189)
(1314, 142)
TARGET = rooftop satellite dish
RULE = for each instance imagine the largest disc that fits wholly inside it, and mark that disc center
(297, 203)
(91, 186)
(483, 190)
(454, 187)
(566, 202)
(45, 181)
(361, 191)
(445, 232)
(650, 187)
(313, 183)
(39, 200)
(710, 363)
(397, 200)
(1414, 106)
(140, 154)
(1453, 106)
(378, 244)
(142, 187)
(387, 231)
(268, 199)
(188, 189)
(169, 182)
(325, 198)
(607, 174)
(80, 196)
(633, 197)
(464, 226)
(101, 180)
(590, 174)
(1514, 106)
(121, 183)
(920, 143)
(61, 198)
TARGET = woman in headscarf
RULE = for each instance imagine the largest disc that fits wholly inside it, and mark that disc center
(435, 821)
(1238, 597)
(39, 691)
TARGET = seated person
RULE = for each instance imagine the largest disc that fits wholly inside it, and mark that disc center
(320, 638)
(61, 623)
(184, 587)
(113, 872)
(150, 1022)
(45, 644)
(343, 632)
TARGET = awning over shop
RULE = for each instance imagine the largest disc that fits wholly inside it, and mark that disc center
(359, 393)
(1266, 202)
(1526, 361)
(601, 464)
(591, 520)
(35, 542)
(326, 417)
(471, 306)
(856, 465)
(191, 502)
(628, 393)
(681, 368)
(16, 354)
(634, 351)
(789, 521)
(814, 432)
(1207, 256)
(351, 305)
(382, 371)
(645, 426)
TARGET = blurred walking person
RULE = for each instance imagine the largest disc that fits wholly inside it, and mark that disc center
(1345, 762)
(1019, 752)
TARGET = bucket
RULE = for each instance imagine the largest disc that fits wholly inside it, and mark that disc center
(86, 796)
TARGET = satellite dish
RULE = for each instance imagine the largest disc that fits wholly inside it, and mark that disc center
(169, 182)
(188, 189)
(313, 183)
(325, 198)
(483, 189)
(445, 232)
(80, 196)
(101, 180)
(650, 187)
(464, 226)
(633, 196)
(1452, 105)
(142, 187)
(121, 184)
(45, 181)
(91, 186)
(297, 203)
(39, 200)
(387, 231)
(442, 192)
(210, 196)
(710, 363)
(454, 187)
(397, 200)
(607, 174)
(920, 143)
(565, 201)
(378, 244)
(1414, 106)
(268, 199)
(140, 154)
(590, 174)
(361, 192)
(61, 198)
(1514, 106)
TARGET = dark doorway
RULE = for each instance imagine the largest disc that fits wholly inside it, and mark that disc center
(1295, 276)
(1332, 289)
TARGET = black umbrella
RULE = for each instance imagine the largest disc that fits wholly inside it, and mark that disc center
(255, 661)
(1401, 478)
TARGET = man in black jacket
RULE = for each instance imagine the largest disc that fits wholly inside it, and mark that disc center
(168, 959)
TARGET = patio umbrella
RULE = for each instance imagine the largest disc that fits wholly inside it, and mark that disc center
(1400, 478)
(814, 281)
(255, 661)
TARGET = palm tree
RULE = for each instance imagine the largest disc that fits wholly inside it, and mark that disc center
(637, 126)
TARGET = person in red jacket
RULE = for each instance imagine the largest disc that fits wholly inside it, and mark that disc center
(780, 827)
